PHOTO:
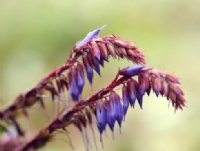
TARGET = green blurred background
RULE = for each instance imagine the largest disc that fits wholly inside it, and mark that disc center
(37, 35)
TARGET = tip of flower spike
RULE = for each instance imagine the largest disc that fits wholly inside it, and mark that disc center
(73, 87)
(101, 117)
(139, 98)
(88, 70)
(111, 115)
(125, 99)
(130, 71)
(91, 35)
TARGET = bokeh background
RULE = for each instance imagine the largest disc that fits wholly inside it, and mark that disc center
(36, 36)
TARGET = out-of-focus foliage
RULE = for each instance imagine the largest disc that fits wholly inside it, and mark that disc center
(36, 36)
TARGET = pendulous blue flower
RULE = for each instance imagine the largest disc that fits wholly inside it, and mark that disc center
(88, 69)
(139, 98)
(131, 91)
(80, 77)
(74, 91)
(101, 117)
(111, 112)
(125, 98)
(119, 109)
(96, 66)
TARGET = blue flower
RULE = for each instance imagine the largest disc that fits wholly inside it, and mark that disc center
(80, 78)
(118, 109)
(139, 98)
(111, 113)
(125, 98)
(96, 66)
(101, 117)
(74, 91)
(131, 92)
(88, 69)
(131, 71)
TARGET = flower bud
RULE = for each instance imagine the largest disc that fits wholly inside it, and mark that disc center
(131, 71)
(80, 79)
(111, 112)
(125, 97)
(74, 91)
(111, 49)
(104, 52)
(88, 69)
(95, 64)
(131, 91)
(101, 117)
(95, 50)
(118, 107)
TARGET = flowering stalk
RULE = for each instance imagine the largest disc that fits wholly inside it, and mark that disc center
(106, 105)
(65, 119)
(93, 51)
(80, 115)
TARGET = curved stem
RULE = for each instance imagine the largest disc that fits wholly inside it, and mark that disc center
(20, 102)
(65, 119)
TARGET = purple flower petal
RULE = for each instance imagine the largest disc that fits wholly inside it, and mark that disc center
(95, 51)
(104, 52)
(101, 117)
(143, 84)
(90, 74)
(80, 78)
(80, 82)
(101, 61)
(74, 91)
(148, 91)
(119, 110)
(125, 97)
(88, 69)
(96, 66)
(111, 113)
(89, 37)
(131, 71)
(139, 98)
(94, 63)
(157, 86)
(131, 92)
(142, 88)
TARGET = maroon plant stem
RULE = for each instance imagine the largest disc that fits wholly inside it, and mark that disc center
(63, 120)
(21, 102)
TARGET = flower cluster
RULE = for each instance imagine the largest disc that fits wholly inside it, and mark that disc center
(87, 56)
(163, 84)
(94, 53)
(114, 108)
